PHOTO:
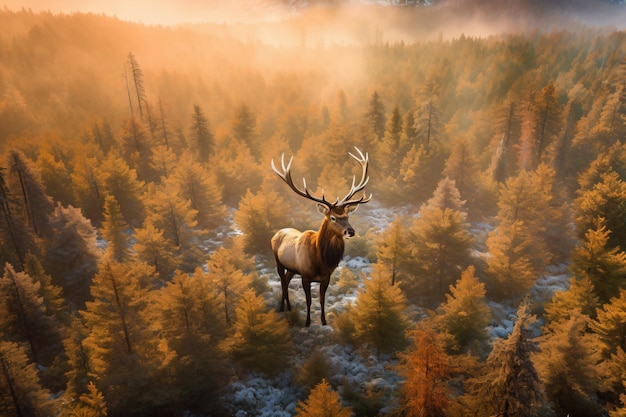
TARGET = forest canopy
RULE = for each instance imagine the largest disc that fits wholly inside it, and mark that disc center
(137, 204)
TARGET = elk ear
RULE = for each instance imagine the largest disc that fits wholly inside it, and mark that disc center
(323, 209)
(351, 208)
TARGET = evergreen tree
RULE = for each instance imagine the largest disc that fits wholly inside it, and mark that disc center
(23, 315)
(25, 184)
(441, 245)
(465, 314)
(228, 282)
(605, 266)
(580, 295)
(172, 214)
(609, 324)
(509, 384)
(606, 199)
(136, 148)
(78, 375)
(136, 76)
(201, 135)
(124, 359)
(87, 187)
(152, 248)
(163, 161)
(115, 232)
(55, 177)
(514, 264)
(428, 370)
(193, 326)
(120, 181)
(375, 116)
(202, 190)
(244, 127)
(568, 362)
(261, 341)
(72, 254)
(378, 316)
(322, 402)
(259, 216)
(21, 393)
(462, 168)
(93, 401)
(15, 240)
(394, 250)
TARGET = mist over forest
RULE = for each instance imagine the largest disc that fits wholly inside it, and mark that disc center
(488, 272)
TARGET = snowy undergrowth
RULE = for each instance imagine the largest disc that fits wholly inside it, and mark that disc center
(355, 370)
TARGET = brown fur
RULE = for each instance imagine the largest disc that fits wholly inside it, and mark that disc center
(312, 255)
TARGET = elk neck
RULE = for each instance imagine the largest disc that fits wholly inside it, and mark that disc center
(330, 247)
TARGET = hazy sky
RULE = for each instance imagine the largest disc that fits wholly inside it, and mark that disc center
(158, 11)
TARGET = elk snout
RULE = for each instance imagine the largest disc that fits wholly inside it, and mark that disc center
(348, 233)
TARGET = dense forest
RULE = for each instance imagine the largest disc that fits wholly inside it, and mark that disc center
(487, 277)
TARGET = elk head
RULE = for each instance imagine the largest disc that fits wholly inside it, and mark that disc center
(336, 213)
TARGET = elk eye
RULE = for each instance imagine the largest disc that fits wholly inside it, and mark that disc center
(333, 218)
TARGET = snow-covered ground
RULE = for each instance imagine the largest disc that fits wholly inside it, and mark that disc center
(258, 395)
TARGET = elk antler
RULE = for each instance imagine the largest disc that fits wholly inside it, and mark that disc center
(363, 160)
(285, 174)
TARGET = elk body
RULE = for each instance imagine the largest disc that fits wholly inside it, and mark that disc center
(314, 255)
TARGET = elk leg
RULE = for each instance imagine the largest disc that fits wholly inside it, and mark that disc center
(323, 287)
(284, 281)
(281, 273)
(306, 285)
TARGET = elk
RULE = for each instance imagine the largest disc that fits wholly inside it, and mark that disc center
(314, 255)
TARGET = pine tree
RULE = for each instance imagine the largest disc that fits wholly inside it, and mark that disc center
(202, 190)
(393, 251)
(191, 322)
(163, 160)
(124, 359)
(568, 362)
(120, 181)
(115, 232)
(428, 370)
(605, 266)
(375, 116)
(259, 216)
(92, 403)
(261, 341)
(465, 314)
(23, 314)
(55, 177)
(509, 384)
(322, 402)
(25, 184)
(580, 295)
(72, 253)
(136, 148)
(152, 248)
(172, 214)
(136, 76)
(21, 393)
(244, 127)
(16, 241)
(604, 200)
(87, 187)
(227, 281)
(609, 324)
(201, 135)
(514, 264)
(378, 316)
(441, 244)
(462, 168)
